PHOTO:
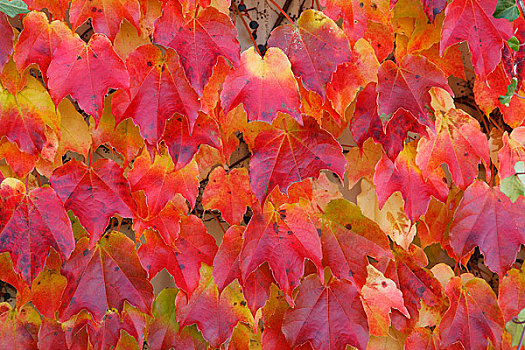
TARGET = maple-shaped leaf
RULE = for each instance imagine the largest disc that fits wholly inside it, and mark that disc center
(198, 39)
(315, 47)
(18, 328)
(256, 288)
(486, 218)
(48, 286)
(283, 238)
(407, 86)
(57, 8)
(379, 295)
(355, 20)
(422, 339)
(328, 316)
(272, 316)
(229, 193)
(106, 334)
(226, 266)
(86, 72)
(6, 40)
(104, 277)
(473, 317)
(124, 138)
(264, 85)
(472, 21)
(403, 175)
(106, 16)
(158, 89)
(348, 237)
(32, 226)
(51, 336)
(74, 131)
(511, 296)
(459, 143)
(29, 118)
(93, 193)
(160, 182)
(182, 145)
(37, 41)
(418, 284)
(432, 7)
(215, 314)
(512, 151)
(184, 257)
(163, 331)
(284, 156)
(353, 76)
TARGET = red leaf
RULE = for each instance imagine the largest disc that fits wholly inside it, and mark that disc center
(57, 8)
(38, 222)
(37, 42)
(199, 40)
(264, 85)
(511, 297)
(403, 175)
(513, 151)
(422, 339)
(216, 315)
(284, 156)
(355, 20)
(229, 193)
(106, 15)
(94, 194)
(472, 20)
(486, 218)
(160, 182)
(473, 317)
(158, 89)
(18, 328)
(256, 288)
(284, 240)
(106, 334)
(407, 86)
(86, 72)
(184, 257)
(459, 143)
(348, 237)
(315, 47)
(104, 277)
(182, 145)
(6, 40)
(226, 262)
(328, 316)
(51, 336)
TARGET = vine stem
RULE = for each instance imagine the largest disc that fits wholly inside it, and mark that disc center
(218, 221)
(238, 13)
(282, 11)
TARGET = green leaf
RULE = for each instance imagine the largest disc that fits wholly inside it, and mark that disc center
(512, 187)
(519, 168)
(505, 100)
(514, 43)
(514, 329)
(13, 7)
(506, 9)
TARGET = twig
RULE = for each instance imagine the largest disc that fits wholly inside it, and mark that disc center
(236, 9)
(282, 11)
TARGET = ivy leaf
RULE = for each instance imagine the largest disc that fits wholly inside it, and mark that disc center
(226, 266)
(215, 314)
(284, 156)
(459, 143)
(507, 9)
(33, 223)
(511, 296)
(473, 317)
(104, 277)
(512, 152)
(38, 41)
(157, 91)
(51, 336)
(223, 193)
(6, 41)
(199, 40)
(514, 43)
(284, 239)
(315, 47)
(106, 15)
(513, 187)
(18, 328)
(86, 72)
(407, 86)
(422, 339)
(516, 329)
(328, 316)
(486, 218)
(472, 21)
(264, 85)
(13, 7)
(184, 257)
(83, 189)
(348, 237)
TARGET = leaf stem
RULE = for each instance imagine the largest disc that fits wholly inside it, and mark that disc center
(236, 9)
(282, 11)
(218, 221)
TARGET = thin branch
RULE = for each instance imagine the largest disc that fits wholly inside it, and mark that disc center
(236, 9)
(282, 11)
